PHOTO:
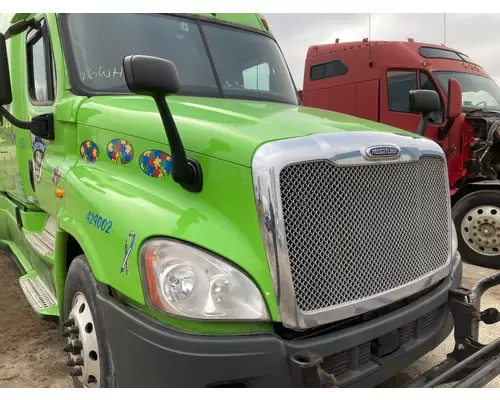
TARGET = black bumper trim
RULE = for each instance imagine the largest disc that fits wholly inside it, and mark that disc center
(147, 354)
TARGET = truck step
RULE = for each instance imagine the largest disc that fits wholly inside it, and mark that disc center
(44, 242)
(39, 297)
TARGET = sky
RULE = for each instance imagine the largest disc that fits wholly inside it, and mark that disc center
(473, 34)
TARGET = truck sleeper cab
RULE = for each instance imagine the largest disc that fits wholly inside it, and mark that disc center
(175, 206)
(372, 79)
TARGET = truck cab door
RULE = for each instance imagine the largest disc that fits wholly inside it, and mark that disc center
(40, 91)
(3, 152)
(396, 83)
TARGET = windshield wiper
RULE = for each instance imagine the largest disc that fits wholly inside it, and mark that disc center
(485, 110)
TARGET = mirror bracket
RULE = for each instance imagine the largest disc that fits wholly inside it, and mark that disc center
(158, 78)
(41, 125)
(444, 130)
(197, 177)
(20, 27)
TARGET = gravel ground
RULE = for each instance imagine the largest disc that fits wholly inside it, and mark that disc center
(31, 349)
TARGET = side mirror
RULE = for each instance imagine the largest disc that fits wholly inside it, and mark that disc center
(424, 102)
(41, 125)
(158, 78)
(454, 99)
(151, 76)
(5, 87)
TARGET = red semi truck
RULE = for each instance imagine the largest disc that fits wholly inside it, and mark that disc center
(372, 80)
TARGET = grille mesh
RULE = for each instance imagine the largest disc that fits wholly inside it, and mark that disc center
(356, 231)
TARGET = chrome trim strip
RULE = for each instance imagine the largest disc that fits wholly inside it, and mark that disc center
(340, 148)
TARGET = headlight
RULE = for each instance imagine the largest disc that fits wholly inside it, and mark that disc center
(454, 238)
(184, 281)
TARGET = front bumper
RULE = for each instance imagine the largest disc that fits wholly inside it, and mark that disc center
(147, 354)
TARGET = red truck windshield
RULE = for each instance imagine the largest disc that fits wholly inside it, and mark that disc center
(477, 91)
(212, 59)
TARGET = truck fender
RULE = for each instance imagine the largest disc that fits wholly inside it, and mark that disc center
(470, 187)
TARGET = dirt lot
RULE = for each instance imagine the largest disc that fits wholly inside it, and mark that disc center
(31, 350)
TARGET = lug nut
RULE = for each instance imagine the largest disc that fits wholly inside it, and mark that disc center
(74, 362)
(66, 334)
(67, 348)
(77, 371)
(76, 346)
(69, 322)
(78, 360)
(74, 329)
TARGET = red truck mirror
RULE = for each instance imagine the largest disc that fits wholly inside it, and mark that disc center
(424, 102)
(454, 99)
(5, 88)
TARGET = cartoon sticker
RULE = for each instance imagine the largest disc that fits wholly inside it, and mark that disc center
(38, 154)
(129, 245)
(120, 150)
(89, 151)
(56, 175)
(155, 163)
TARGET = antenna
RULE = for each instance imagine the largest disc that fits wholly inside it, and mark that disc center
(444, 19)
(370, 63)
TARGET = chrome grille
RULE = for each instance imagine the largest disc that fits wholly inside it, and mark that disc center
(356, 231)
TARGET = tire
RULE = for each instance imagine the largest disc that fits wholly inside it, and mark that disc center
(477, 221)
(89, 358)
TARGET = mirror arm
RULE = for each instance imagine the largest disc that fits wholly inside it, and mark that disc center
(41, 125)
(20, 27)
(14, 121)
(423, 124)
(186, 172)
(444, 130)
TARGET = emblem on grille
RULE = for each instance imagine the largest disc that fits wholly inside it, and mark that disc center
(385, 151)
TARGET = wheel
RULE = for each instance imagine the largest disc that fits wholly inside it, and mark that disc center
(477, 221)
(89, 358)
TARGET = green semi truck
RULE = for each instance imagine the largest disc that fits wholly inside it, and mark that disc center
(188, 223)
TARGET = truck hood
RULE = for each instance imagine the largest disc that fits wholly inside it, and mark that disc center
(230, 130)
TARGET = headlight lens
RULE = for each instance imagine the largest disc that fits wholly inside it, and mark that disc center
(188, 282)
(454, 238)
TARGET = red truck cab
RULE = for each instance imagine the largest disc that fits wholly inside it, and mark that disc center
(372, 80)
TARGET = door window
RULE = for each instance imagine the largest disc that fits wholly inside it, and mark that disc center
(41, 71)
(399, 84)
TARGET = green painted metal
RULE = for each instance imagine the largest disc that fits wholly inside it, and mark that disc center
(222, 135)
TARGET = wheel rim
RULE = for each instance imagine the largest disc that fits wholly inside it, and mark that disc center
(481, 230)
(82, 343)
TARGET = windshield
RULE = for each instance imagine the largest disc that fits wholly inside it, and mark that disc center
(211, 59)
(477, 91)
